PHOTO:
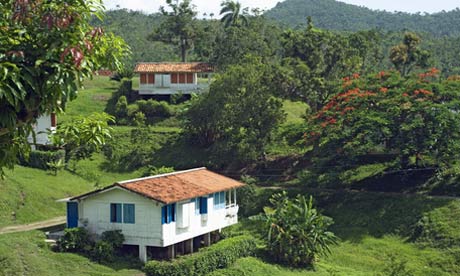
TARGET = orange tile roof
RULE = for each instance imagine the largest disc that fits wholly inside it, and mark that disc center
(173, 67)
(174, 187)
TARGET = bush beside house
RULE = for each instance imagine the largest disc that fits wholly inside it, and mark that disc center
(205, 261)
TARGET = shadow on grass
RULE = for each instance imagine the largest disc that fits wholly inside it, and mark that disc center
(360, 214)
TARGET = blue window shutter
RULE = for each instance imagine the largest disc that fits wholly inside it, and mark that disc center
(173, 212)
(115, 212)
(164, 214)
(119, 213)
(128, 213)
(168, 217)
(203, 205)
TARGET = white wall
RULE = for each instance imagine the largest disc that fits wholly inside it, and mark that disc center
(40, 129)
(94, 214)
(147, 228)
(216, 220)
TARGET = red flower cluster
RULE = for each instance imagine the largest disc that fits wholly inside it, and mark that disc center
(381, 74)
(383, 89)
(423, 92)
(432, 73)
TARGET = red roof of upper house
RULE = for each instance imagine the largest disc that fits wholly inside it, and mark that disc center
(173, 67)
(174, 187)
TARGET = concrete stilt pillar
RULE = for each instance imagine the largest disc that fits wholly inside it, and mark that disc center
(171, 252)
(143, 253)
(188, 246)
(207, 239)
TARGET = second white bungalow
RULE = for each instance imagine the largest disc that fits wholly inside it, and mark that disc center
(168, 78)
(162, 215)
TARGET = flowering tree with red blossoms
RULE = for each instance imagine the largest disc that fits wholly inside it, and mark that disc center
(47, 48)
(416, 117)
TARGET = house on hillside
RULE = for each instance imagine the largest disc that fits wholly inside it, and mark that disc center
(41, 127)
(162, 215)
(166, 78)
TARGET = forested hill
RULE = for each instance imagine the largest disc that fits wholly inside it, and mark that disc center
(134, 27)
(334, 15)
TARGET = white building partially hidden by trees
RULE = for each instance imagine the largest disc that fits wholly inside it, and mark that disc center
(164, 215)
(44, 124)
(168, 78)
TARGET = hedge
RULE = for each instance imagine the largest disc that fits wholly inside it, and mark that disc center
(205, 261)
(40, 159)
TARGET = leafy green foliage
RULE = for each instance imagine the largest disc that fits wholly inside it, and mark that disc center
(83, 136)
(41, 159)
(207, 260)
(114, 237)
(236, 118)
(314, 60)
(75, 240)
(102, 251)
(260, 38)
(231, 14)
(47, 49)
(336, 15)
(179, 26)
(297, 234)
(412, 117)
(408, 55)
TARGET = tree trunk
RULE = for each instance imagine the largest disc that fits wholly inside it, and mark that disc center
(183, 48)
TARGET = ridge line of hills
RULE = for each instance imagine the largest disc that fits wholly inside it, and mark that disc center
(335, 15)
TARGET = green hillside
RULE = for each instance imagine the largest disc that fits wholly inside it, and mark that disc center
(335, 15)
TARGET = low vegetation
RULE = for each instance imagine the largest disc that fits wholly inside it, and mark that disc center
(220, 255)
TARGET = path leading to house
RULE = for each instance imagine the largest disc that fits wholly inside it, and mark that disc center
(33, 226)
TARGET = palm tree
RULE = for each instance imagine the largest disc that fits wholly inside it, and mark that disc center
(232, 14)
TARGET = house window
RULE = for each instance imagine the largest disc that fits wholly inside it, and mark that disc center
(203, 205)
(122, 213)
(128, 213)
(197, 205)
(182, 78)
(151, 78)
(190, 78)
(174, 78)
(143, 78)
(115, 212)
(168, 213)
(219, 200)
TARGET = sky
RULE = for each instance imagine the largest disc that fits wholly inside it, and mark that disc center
(213, 6)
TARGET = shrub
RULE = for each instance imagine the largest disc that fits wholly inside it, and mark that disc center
(151, 170)
(121, 108)
(102, 252)
(296, 233)
(74, 240)
(41, 159)
(152, 108)
(207, 260)
(247, 196)
(115, 238)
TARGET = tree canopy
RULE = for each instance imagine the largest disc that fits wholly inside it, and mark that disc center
(46, 49)
(179, 26)
(416, 118)
(236, 118)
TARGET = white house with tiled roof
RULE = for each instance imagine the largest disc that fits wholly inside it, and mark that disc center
(167, 78)
(164, 215)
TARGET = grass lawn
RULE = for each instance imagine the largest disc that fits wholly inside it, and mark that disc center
(295, 111)
(27, 254)
(91, 98)
(31, 193)
(368, 257)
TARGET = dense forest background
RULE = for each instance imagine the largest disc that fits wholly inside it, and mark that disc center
(439, 32)
(334, 15)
